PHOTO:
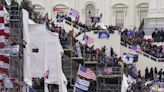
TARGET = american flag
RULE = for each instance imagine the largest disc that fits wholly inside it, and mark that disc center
(87, 39)
(86, 73)
(108, 70)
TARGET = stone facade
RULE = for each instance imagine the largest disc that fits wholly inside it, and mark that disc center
(131, 11)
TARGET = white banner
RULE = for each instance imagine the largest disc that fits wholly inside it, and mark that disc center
(124, 84)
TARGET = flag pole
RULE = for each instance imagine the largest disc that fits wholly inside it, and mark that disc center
(74, 89)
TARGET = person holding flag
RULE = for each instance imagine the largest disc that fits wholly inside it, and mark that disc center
(82, 83)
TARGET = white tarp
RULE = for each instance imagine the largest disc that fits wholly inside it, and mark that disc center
(31, 21)
(124, 84)
(37, 41)
(43, 52)
(26, 50)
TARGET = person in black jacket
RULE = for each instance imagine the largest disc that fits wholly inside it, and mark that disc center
(146, 73)
(155, 70)
(155, 35)
(151, 74)
(160, 74)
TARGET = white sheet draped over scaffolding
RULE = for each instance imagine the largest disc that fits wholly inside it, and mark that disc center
(43, 53)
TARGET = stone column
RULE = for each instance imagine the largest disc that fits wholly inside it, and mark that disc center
(156, 9)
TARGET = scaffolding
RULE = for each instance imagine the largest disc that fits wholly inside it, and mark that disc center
(109, 82)
(71, 61)
(15, 38)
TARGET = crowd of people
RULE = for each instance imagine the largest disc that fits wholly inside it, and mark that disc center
(76, 22)
(89, 53)
(158, 35)
(154, 74)
(136, 38)
(130, 37)
(110, 28)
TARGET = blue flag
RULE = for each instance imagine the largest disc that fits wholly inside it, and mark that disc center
(103, 35)
(82, 84)
(78, 90)
(133, 72)
(31, 89)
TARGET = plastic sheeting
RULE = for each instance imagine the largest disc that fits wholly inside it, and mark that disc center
(43, 52)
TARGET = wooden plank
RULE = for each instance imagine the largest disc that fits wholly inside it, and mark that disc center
(66, 50)
(77, 58)
(109, 76)
(90, 62)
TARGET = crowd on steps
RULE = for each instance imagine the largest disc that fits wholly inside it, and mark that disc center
(158, 35)
(154, 74)
(136, 39)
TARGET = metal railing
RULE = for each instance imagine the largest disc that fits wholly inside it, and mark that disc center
(90, 57)
(144, 54)
(110, 71)
(74, 25)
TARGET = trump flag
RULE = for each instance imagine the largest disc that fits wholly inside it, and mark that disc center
(103, 35)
